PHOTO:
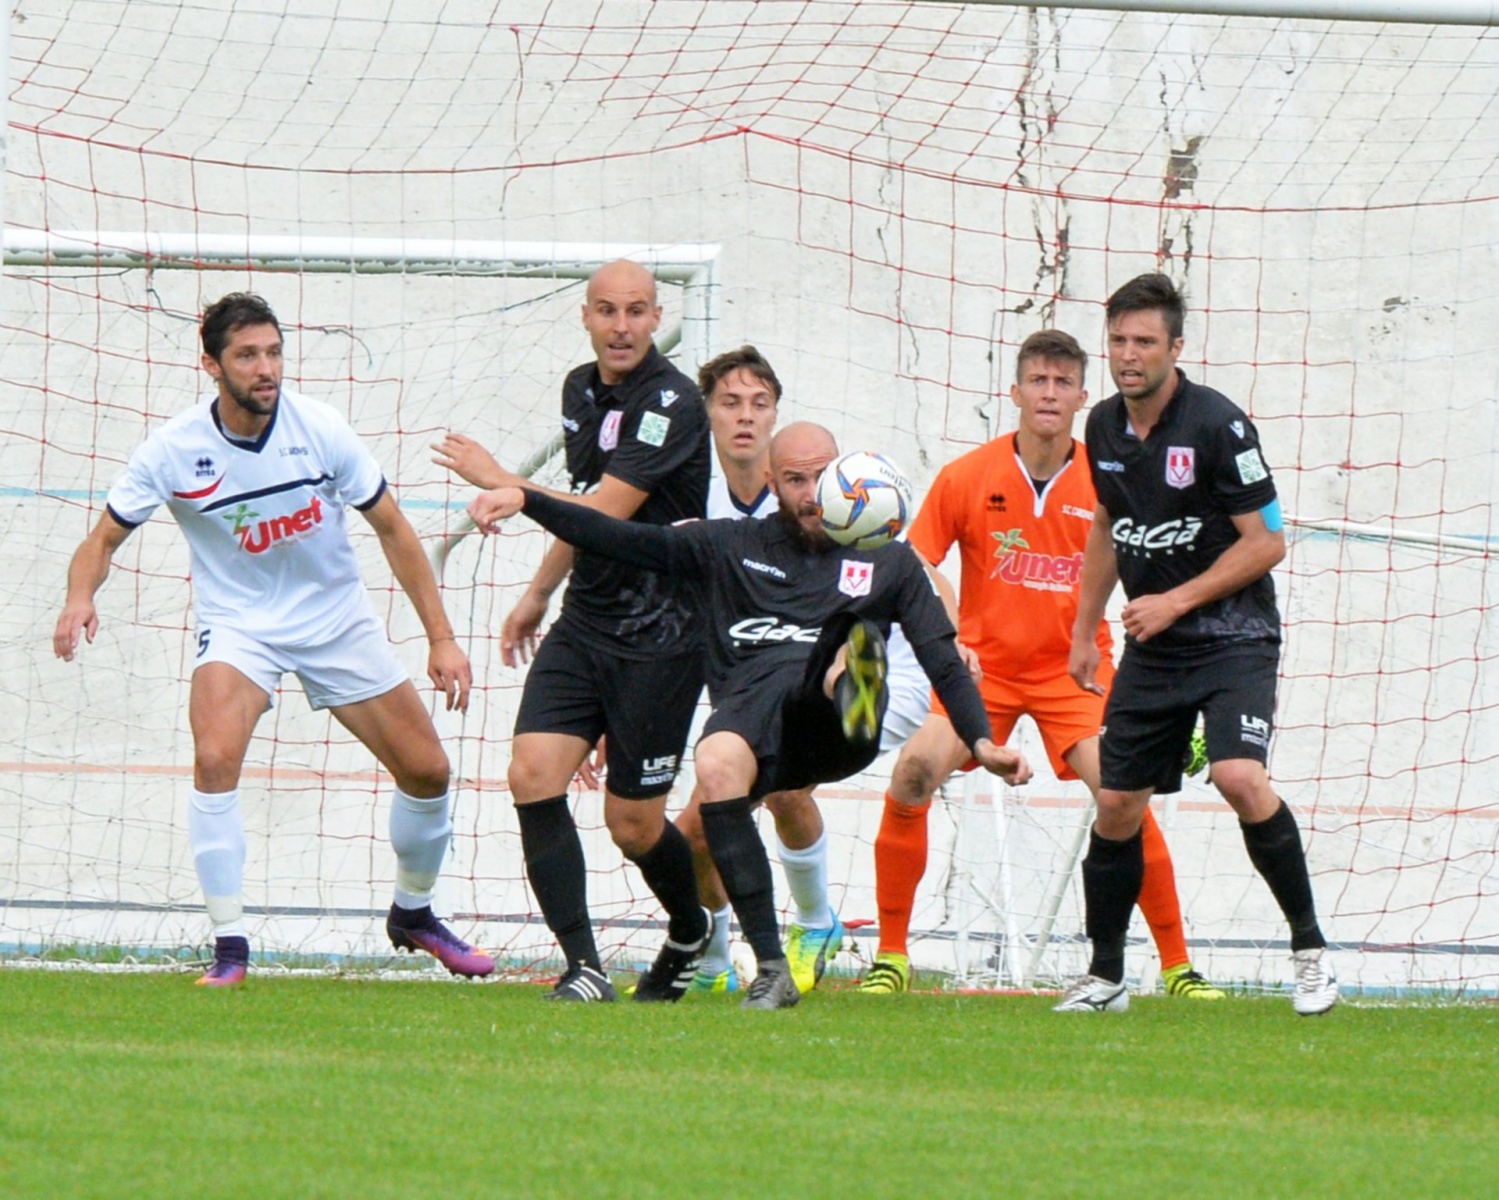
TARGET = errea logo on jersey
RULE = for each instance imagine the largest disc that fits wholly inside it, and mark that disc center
(260, 537)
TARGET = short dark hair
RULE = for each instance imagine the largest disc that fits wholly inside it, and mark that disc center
(231, 312)
(1145, 292)
(746, 358)
(1052, 345)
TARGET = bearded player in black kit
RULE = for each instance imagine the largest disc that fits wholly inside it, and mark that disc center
(796, 664)
(1187, 519)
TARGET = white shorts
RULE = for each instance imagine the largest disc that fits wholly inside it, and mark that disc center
(910, 693)
(358, 665)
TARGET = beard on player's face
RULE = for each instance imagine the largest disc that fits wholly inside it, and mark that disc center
(247, 400)
(805, 523)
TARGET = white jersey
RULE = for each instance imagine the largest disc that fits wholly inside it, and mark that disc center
(265, 520)
(910, 690)
(722, 503)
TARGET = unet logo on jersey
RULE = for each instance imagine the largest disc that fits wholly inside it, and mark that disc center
(1017, 564)
(259, 537)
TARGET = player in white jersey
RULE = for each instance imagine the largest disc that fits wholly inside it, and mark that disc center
(259, 478)
(742, 393)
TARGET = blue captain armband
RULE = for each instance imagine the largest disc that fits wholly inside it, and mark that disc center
(1271, 513)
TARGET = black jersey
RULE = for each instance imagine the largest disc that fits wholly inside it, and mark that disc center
(769, 594)
(1172, 498)
(650, 430)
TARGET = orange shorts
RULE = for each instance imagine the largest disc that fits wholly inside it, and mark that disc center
(1062, 711)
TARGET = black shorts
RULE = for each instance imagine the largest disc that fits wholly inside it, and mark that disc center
(1153, 706)
(795, 731)
(645, 706)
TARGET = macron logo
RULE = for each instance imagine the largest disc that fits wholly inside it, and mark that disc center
(668, 398)
(764, 568)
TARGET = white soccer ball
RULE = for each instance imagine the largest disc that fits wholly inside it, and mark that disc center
(865, 499)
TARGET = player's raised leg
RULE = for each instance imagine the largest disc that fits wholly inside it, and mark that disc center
(398, 731)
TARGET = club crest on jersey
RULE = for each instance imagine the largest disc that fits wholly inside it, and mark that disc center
(1181, 466)
(855, 578)
(609, 430)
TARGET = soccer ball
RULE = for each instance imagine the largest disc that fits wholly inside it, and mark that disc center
(865, 499)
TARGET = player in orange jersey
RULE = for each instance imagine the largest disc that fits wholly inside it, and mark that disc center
(1019, 508)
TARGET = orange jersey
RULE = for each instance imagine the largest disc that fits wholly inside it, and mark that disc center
(1022, 556)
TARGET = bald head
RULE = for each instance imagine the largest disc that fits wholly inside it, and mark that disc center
(797, 456)
(803, 440)
(621, 316)
(622, 276)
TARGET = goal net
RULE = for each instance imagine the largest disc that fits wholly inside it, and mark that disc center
(886, 199)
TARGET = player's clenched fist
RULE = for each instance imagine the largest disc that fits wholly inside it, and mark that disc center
(490, 508)
(1009, 764)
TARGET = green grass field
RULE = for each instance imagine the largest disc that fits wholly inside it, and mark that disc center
(143, 1085)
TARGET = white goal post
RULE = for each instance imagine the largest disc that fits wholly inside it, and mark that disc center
(692, 267)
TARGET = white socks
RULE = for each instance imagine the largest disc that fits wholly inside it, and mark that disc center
(716, 957)
(419, 834)
(216, 835)
(807, 877)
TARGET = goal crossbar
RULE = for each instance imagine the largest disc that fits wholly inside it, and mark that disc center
(1418, 12)
(694, 266)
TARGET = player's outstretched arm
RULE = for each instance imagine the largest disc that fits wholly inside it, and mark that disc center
(86, 574)
(1099, 575)
(1009, 764)
(447, 665)
(654, 547)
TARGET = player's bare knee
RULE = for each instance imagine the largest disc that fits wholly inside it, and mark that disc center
(216, 768)
(1245, 784)
(635, 828)
(531, 776)
(425, 775)
(715, 776)
(914, 780)
(1120, 814)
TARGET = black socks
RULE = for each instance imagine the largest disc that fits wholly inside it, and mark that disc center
(1112, 875)
(555, 867)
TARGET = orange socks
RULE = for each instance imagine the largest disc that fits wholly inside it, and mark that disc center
(1158, 900)
(899, 863)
